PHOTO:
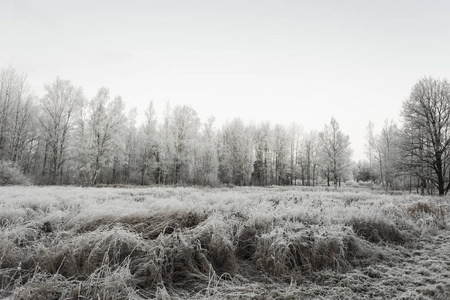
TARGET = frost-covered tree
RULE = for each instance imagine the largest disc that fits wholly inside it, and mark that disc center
(294, 133)
(206, 164)
(281, 154)
(236, 153)
(147, 145)
(310, 153)
(99, 134)
(18, 119)
(262, 166)
(184, 128)
(335, 152)
(426, 133)
(386, 153)
(58, 107)
(276, 154)
(166, 149)
(125, 160)
(9, 96)
(370, 148)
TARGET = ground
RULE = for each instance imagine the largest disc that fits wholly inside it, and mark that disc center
(229, 243)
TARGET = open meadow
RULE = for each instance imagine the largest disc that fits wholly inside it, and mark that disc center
(222, 243)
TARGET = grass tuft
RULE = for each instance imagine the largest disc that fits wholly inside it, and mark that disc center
(246, 243)
(377, 230)
(420, 208)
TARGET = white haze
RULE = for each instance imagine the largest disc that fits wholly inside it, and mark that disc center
(283, 61)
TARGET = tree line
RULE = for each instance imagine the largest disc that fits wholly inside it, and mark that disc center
(65, 138)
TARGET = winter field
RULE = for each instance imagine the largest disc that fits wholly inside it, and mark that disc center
(223, 243)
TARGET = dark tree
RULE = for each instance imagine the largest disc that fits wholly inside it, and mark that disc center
(426, 133)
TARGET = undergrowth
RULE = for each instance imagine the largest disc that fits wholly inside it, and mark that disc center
(10, 174)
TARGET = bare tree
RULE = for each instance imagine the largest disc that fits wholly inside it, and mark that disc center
(385, 148)
(18, 114)
(281, 154)
(310, 149)
(370, 146)
(236, 153)
(8, 91)
(147, 146)
(99, 133)
(206, 156)
(335, 152)
(128, 159)
(166, 148)
(294, 139)
(426, 133)
(184, 127)
(58, 106)
(263, 141)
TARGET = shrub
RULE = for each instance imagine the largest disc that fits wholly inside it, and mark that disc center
(367, 184)
(352, 183)
(11, 175)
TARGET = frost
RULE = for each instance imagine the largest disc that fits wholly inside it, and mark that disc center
(71, 243)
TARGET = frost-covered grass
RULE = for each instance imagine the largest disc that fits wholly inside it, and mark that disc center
(231, 243)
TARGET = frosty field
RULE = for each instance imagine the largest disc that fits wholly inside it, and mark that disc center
(224, 243)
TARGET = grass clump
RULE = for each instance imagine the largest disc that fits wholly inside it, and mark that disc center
(291, 254)
(377, 230)
(246, 242)
(421, 208)
(148, 225)
(100, 248)
(44, 286)
(172, 261)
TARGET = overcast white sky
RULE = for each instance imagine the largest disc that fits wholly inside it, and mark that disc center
(283, 61)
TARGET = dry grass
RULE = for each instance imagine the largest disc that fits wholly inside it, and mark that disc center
(377, 230)
(178, 243)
